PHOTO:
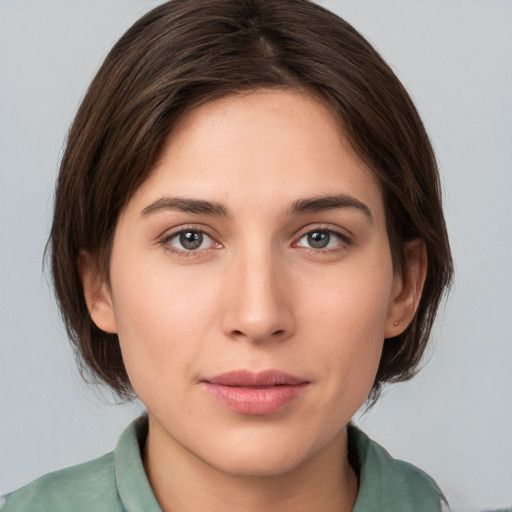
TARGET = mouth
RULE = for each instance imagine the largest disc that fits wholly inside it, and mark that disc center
(258, 393)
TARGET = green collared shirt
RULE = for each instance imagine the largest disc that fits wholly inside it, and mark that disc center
(117, 482)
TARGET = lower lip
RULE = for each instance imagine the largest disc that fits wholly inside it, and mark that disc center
(256, 401)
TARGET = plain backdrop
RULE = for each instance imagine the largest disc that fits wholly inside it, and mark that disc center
(455, 418)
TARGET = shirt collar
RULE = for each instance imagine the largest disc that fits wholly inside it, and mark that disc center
(131, 480)
(385, 484)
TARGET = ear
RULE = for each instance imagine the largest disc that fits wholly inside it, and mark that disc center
(407, 288)
(97, 294)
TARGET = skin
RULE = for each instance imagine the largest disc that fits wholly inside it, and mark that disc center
(255, 295)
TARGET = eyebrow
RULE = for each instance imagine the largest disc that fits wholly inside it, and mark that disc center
(300, 207)
(329, 202)
(183, 204)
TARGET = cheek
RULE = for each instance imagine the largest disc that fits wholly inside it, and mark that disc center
(162, 317)
(345, 315)
(350, 338)
(352, 301)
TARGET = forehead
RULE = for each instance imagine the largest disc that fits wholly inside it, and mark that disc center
(266, 144)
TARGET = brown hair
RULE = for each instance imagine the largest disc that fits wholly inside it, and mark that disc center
(186, 52)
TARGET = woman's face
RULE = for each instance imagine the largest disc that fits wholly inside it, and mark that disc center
(252, 284)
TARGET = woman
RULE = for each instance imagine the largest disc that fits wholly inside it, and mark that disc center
(248, 236)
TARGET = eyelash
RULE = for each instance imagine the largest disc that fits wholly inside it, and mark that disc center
(344, 241)
(166, 242)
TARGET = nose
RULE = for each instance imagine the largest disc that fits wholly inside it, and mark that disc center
(257, 302)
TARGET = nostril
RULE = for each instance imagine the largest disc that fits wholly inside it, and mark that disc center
(275, 334)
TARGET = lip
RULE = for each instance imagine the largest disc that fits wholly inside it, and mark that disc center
(255, 393)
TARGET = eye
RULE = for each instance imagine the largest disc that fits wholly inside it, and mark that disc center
(319, 239)
(189, 240)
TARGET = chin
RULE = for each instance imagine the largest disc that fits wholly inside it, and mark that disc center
(261, 464)
(267, 453)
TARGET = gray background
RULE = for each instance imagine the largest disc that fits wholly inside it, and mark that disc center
(455, 418)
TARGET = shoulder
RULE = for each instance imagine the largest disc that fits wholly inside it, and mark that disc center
(389, 484)
(88, 486)
(113, 483)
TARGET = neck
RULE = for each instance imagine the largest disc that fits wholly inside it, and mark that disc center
(183, 482)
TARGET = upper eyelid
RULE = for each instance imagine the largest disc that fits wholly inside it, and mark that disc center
(342, 232)
(172, 232)
(168, 235)
(345, 241)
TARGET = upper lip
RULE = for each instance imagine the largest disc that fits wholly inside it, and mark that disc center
(246, 378)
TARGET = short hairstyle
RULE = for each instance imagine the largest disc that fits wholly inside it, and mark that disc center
(187, 52)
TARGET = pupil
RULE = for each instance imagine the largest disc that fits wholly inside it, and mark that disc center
(191, 239)
(318, 239)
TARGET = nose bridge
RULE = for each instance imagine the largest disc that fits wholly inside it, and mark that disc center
(258, 307)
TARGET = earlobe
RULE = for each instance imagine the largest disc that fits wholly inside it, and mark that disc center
(407, 289)
(97, 295)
